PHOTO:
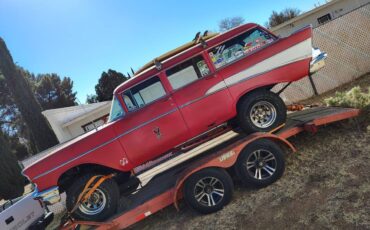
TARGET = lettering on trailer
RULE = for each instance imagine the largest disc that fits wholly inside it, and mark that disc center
(226, 156)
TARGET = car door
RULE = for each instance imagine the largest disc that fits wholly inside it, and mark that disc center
(202, 109)
(153, 124)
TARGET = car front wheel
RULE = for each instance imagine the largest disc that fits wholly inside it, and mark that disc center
(99, 206)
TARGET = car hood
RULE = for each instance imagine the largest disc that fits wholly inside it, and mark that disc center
(63, 153)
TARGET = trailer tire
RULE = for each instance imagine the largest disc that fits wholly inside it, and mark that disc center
(261, 111)
(260, 163)
(208, 190)
(106, 198)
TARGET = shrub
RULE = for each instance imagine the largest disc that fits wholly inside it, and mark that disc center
(354, 98)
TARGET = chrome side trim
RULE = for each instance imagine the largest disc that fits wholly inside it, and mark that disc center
(104, 144)
(146, 176)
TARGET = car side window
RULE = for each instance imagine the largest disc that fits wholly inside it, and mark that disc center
(187, 72)
(143, 93)
(239, 47)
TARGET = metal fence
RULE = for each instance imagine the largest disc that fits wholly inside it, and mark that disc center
(347, 41)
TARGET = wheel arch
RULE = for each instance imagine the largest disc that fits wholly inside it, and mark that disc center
(66, 178)
(247, 93)
(272, 137)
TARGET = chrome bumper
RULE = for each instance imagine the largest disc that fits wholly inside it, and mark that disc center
(49, 196)
(318, 60)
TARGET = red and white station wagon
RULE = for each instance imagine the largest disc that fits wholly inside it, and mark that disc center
(174, 101)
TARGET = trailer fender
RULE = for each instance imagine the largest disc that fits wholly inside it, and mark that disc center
(223, 159)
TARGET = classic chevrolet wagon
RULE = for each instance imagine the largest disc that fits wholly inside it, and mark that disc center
(175, 100)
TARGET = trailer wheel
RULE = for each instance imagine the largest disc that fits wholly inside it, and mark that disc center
(208, 190)
(102, 203)
(261, 111)
(260, 163)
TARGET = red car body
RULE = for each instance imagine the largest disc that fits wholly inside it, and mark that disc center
(180, 114)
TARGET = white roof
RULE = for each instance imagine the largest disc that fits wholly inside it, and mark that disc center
(72, 114)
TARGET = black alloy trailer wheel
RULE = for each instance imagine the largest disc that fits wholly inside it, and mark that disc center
(260, 163)
(208, 190)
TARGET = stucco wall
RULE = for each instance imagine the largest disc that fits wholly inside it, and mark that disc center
(337, 9)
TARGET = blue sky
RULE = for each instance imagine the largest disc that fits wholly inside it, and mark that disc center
(82, 38)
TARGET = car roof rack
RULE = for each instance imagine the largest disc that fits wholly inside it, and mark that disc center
(199, 38)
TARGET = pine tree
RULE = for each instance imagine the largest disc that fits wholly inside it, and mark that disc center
(26, 102)
(11, 179)
(53, 92)
(107, 83)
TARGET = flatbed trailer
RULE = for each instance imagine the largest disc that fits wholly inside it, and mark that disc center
(167, 188)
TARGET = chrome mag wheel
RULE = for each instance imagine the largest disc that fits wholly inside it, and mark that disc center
(263, 114)
(94, 204)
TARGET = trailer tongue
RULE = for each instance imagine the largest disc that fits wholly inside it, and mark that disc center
(205, 173)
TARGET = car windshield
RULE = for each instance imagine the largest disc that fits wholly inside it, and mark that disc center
(116, 111)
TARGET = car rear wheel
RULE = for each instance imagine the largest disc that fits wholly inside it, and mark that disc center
(208, 190)
(260, 163)
(261, 111)
(99, 206)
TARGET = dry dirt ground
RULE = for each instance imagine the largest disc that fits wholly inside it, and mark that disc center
(326, 185)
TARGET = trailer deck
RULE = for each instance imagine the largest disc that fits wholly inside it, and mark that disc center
(165, 188)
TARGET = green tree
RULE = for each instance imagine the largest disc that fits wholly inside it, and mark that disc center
(53, 92)
(8, 109)
(12, 124)
(11, 179)
(25, 101)
(91, 98)
(108, 81)
(278, 18)
(229, 23)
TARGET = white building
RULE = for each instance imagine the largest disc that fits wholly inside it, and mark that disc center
(70, 122)
(319, 15)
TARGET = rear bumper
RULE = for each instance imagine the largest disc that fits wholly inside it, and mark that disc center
(318, 60)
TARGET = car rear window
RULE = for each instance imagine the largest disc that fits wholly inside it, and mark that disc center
(187, 72)
(239, 47)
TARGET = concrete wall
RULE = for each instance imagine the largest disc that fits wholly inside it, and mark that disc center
(347, 42)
